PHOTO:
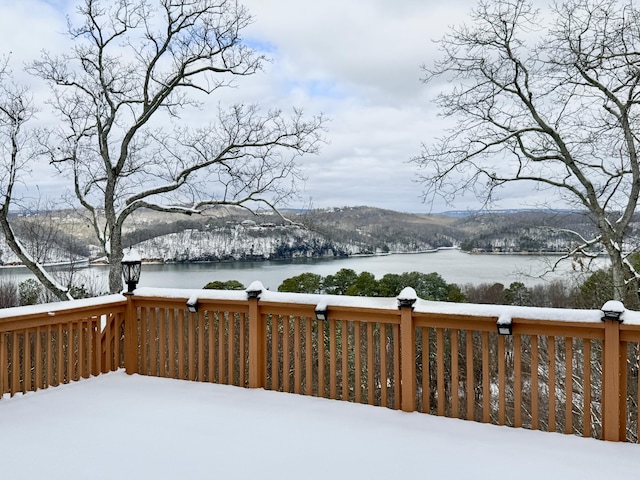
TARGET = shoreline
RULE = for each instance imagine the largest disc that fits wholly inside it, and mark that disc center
(89, 264)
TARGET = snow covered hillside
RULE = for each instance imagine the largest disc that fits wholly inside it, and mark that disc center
(243, 242)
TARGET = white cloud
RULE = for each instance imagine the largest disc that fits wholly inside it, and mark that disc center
(358, 62)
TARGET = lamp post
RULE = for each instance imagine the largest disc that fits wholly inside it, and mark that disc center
(131, 266)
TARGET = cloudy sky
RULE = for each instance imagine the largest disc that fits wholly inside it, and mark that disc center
(357, 62)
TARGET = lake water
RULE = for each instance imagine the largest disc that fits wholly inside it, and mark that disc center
(453, 265)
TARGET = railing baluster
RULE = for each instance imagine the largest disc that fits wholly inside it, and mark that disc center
(97, 346)
(623, 392)
(86, 352)
(71, 353)
(551, 349)
(308, 353)
(586, 419)
(172, 343)
(486, 392)
(426, 372)
(333, 360)
(26, 383)
(455, 409)
(201, 363)
(535, 424)
(119, 347)
(153, 338)
(321, 363)
(471, 392)
(211, 321)
(297, 361)
(396, 366)
(275, 350)
(49, 353)
(357, 381)
(344, 333)
(15, 364)
(501, 381)
(180, 336)
(384, 368)
(568, 385)
(231, 348)
(144, 339)
(243, 349)
(108, 335)
(370, 367)
(162, 342)
(286, 354)
(39, 382)
(517, 381)
(191, 329)
(221, 346)
(60, 355)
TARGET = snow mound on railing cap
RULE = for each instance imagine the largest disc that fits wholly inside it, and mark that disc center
(408, 293)
(613, 306)
(256, 286)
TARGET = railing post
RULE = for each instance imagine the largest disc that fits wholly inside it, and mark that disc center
(611, 408)
(130, 336)
(4, 364)
(406, 300)
(257, 338)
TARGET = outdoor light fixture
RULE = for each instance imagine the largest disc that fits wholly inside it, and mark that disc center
(407, 298)
(192, 305)
(322, 312)
(254, 290)
(131, 266)
(505, 327)
(613, 310)
(406, 302)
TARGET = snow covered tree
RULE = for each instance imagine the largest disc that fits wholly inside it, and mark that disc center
(548, 99)
(135, 66)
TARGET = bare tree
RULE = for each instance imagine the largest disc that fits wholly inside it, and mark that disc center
(550, 98)
(119, 93)
(16, 153)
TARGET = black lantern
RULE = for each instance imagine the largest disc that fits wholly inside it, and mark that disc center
(131, 265)
(254, 290)
(613, 310)
(505, 327)
(407, 298)
(322, 312)
(192, 305)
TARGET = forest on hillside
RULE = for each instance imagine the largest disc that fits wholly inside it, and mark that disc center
(235, 234)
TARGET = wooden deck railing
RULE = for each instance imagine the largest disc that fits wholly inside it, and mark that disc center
(48, 345)
(560, 370)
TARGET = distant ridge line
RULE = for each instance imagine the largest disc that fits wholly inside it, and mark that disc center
(468, 213)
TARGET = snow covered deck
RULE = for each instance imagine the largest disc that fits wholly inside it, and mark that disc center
(117, 426)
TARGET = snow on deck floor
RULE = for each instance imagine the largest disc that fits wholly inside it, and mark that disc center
(117, 426)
